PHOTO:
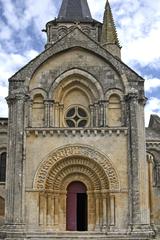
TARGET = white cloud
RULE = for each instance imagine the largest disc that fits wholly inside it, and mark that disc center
(3, 103)
(151, 84)
(10, 63)
(3, 107)
(9, 12)
(138, 28)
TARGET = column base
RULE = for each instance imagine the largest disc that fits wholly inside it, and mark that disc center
(142, 230)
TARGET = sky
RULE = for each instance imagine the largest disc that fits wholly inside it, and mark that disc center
(138, 27)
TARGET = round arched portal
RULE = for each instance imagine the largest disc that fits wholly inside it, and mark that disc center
(76, 207)
(75, 182)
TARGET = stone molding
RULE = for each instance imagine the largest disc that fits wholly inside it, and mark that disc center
(153, 144)
(93, 82)
(76, 131)
(81, 168)
(94, 158)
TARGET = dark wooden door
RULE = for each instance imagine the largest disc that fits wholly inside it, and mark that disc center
(76, 212)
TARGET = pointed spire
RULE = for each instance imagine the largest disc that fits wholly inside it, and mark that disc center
(109, 34)
(75, 10)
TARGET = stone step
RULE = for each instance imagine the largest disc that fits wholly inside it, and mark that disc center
(75, 236)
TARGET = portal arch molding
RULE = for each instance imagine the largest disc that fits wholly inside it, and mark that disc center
(93, 157)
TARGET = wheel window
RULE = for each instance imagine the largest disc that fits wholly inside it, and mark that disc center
(76, 117)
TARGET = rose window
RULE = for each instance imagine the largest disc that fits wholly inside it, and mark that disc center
(76, 117)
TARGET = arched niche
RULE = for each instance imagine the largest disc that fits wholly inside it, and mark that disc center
(114, 111)
(115, 107)
(38, 110)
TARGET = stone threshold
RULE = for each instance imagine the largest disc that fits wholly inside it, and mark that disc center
(35, 235)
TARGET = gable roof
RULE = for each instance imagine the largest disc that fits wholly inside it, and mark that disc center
(76, 38)
(154, 122)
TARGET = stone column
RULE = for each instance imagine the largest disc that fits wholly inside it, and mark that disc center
(102, 114)
(61, 108)
(150, 183)
(106, 113)
(97, 197)
(96, 115)
(91, 211)
(62, 211)
(43, 209)
(56, 211)
(105, 109)
(46, 113)
(91, 116)
(112, 210)
(49, 209)
(123, 113)
(14, 180)
(104, 199)
(30, 105)
(57, 115)
(134, 195)
(51, 113)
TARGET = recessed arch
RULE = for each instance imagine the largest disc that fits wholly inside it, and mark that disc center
(38, 91)
(73, 177)
(85, 91)
(91, 158)
(80, 76)
(114, 91)
(76, 165)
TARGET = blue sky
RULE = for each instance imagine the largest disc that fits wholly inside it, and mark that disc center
(138, 26)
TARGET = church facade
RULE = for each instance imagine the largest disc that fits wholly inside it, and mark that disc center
(80, 163)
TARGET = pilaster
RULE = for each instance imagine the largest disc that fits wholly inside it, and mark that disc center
(134, 195)
(14, 183)
(137, 165)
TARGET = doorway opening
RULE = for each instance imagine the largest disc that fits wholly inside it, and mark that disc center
(77, 209)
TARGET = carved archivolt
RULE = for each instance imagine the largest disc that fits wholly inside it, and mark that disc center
(73, 160)
(80, 166)
(68, 78)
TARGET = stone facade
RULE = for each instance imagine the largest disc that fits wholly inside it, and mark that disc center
(76, 114)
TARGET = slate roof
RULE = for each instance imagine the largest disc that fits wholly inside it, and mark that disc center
(153, 130)
(154, 122)
(74, 10)
(152, 135)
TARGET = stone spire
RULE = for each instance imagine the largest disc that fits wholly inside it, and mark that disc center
(109, 37)
(74, 10)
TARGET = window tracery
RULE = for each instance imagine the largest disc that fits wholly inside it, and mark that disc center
(76, 116)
